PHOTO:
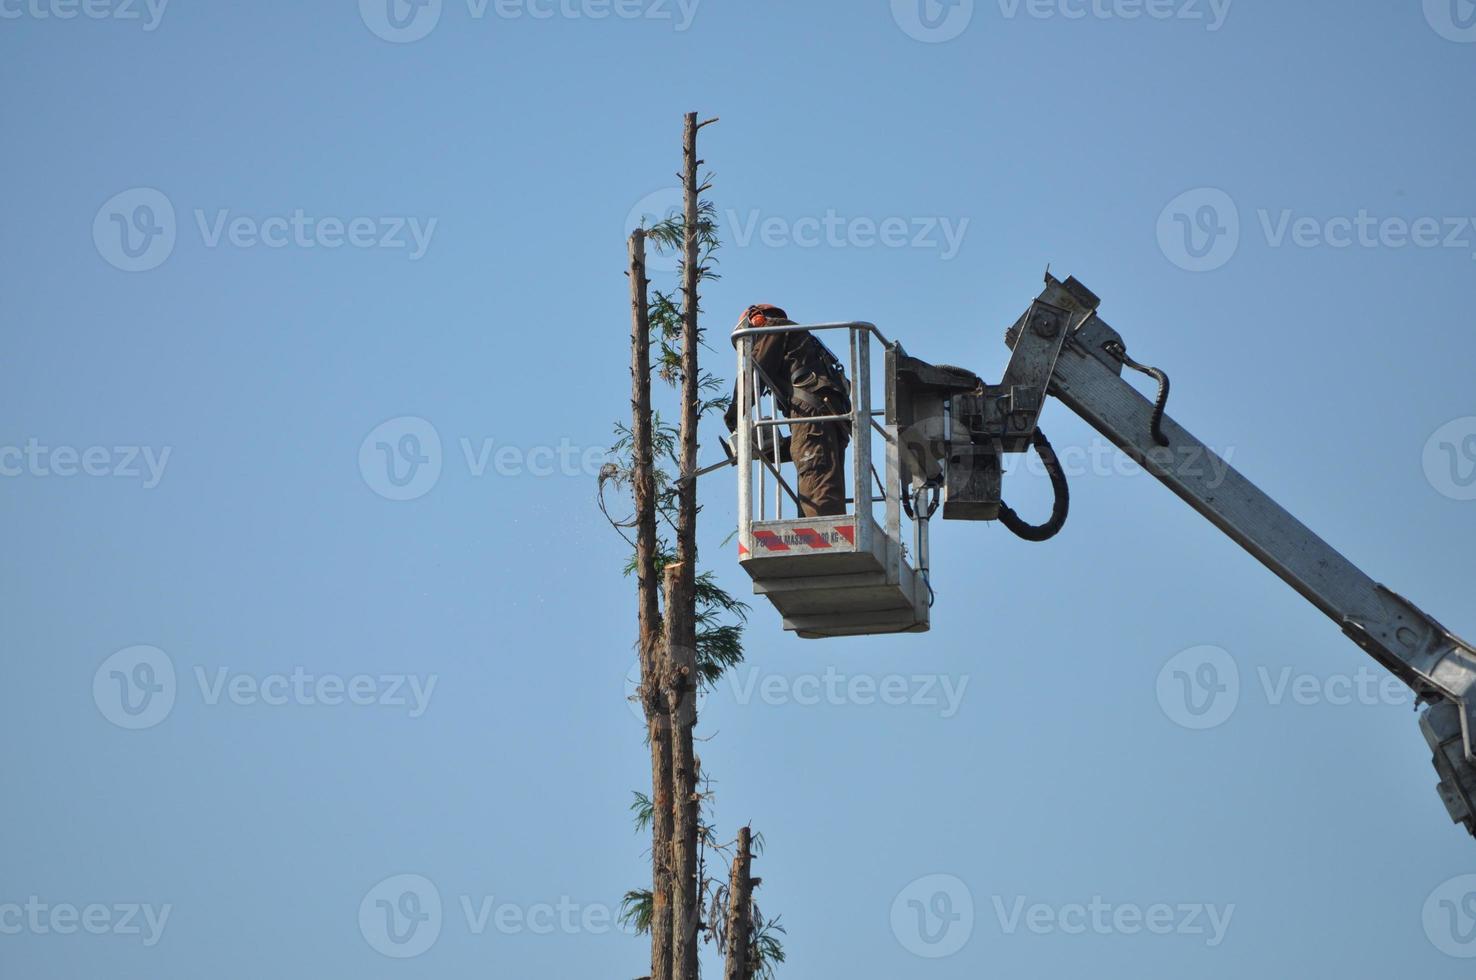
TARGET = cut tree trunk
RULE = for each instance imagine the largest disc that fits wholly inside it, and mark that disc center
(740, 910)
(686, 550)
(681, 693)
(651, 652)
(663, 933)
(681, 602)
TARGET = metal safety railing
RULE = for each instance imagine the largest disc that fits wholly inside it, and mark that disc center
(873, 432)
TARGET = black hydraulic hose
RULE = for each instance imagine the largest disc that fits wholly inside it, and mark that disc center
(936, 489)
(1052, 527)
(1118, 351)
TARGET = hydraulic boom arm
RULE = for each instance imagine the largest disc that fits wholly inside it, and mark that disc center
(1084, 370)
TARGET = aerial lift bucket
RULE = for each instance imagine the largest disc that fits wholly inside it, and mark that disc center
(846, 575)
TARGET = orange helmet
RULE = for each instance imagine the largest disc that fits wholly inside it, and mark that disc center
(759, 314)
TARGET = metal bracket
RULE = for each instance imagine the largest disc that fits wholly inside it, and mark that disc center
(1447, 727)
(1011, 409)
(1413, 646)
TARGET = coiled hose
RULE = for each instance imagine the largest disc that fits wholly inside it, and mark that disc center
(1062, 506)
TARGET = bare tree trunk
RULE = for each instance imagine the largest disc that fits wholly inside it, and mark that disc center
(643, 480)
(740, 910)
(681, 694)
(653, 699)
(686, 550)
(663, 933)
(681, 610)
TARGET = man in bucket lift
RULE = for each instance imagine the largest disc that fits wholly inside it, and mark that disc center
(806, 380)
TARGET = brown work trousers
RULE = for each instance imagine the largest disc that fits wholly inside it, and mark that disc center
(819, 453)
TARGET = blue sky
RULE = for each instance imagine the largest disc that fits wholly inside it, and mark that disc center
(245, 244)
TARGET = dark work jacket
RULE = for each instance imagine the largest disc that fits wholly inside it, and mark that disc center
(783, 361)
